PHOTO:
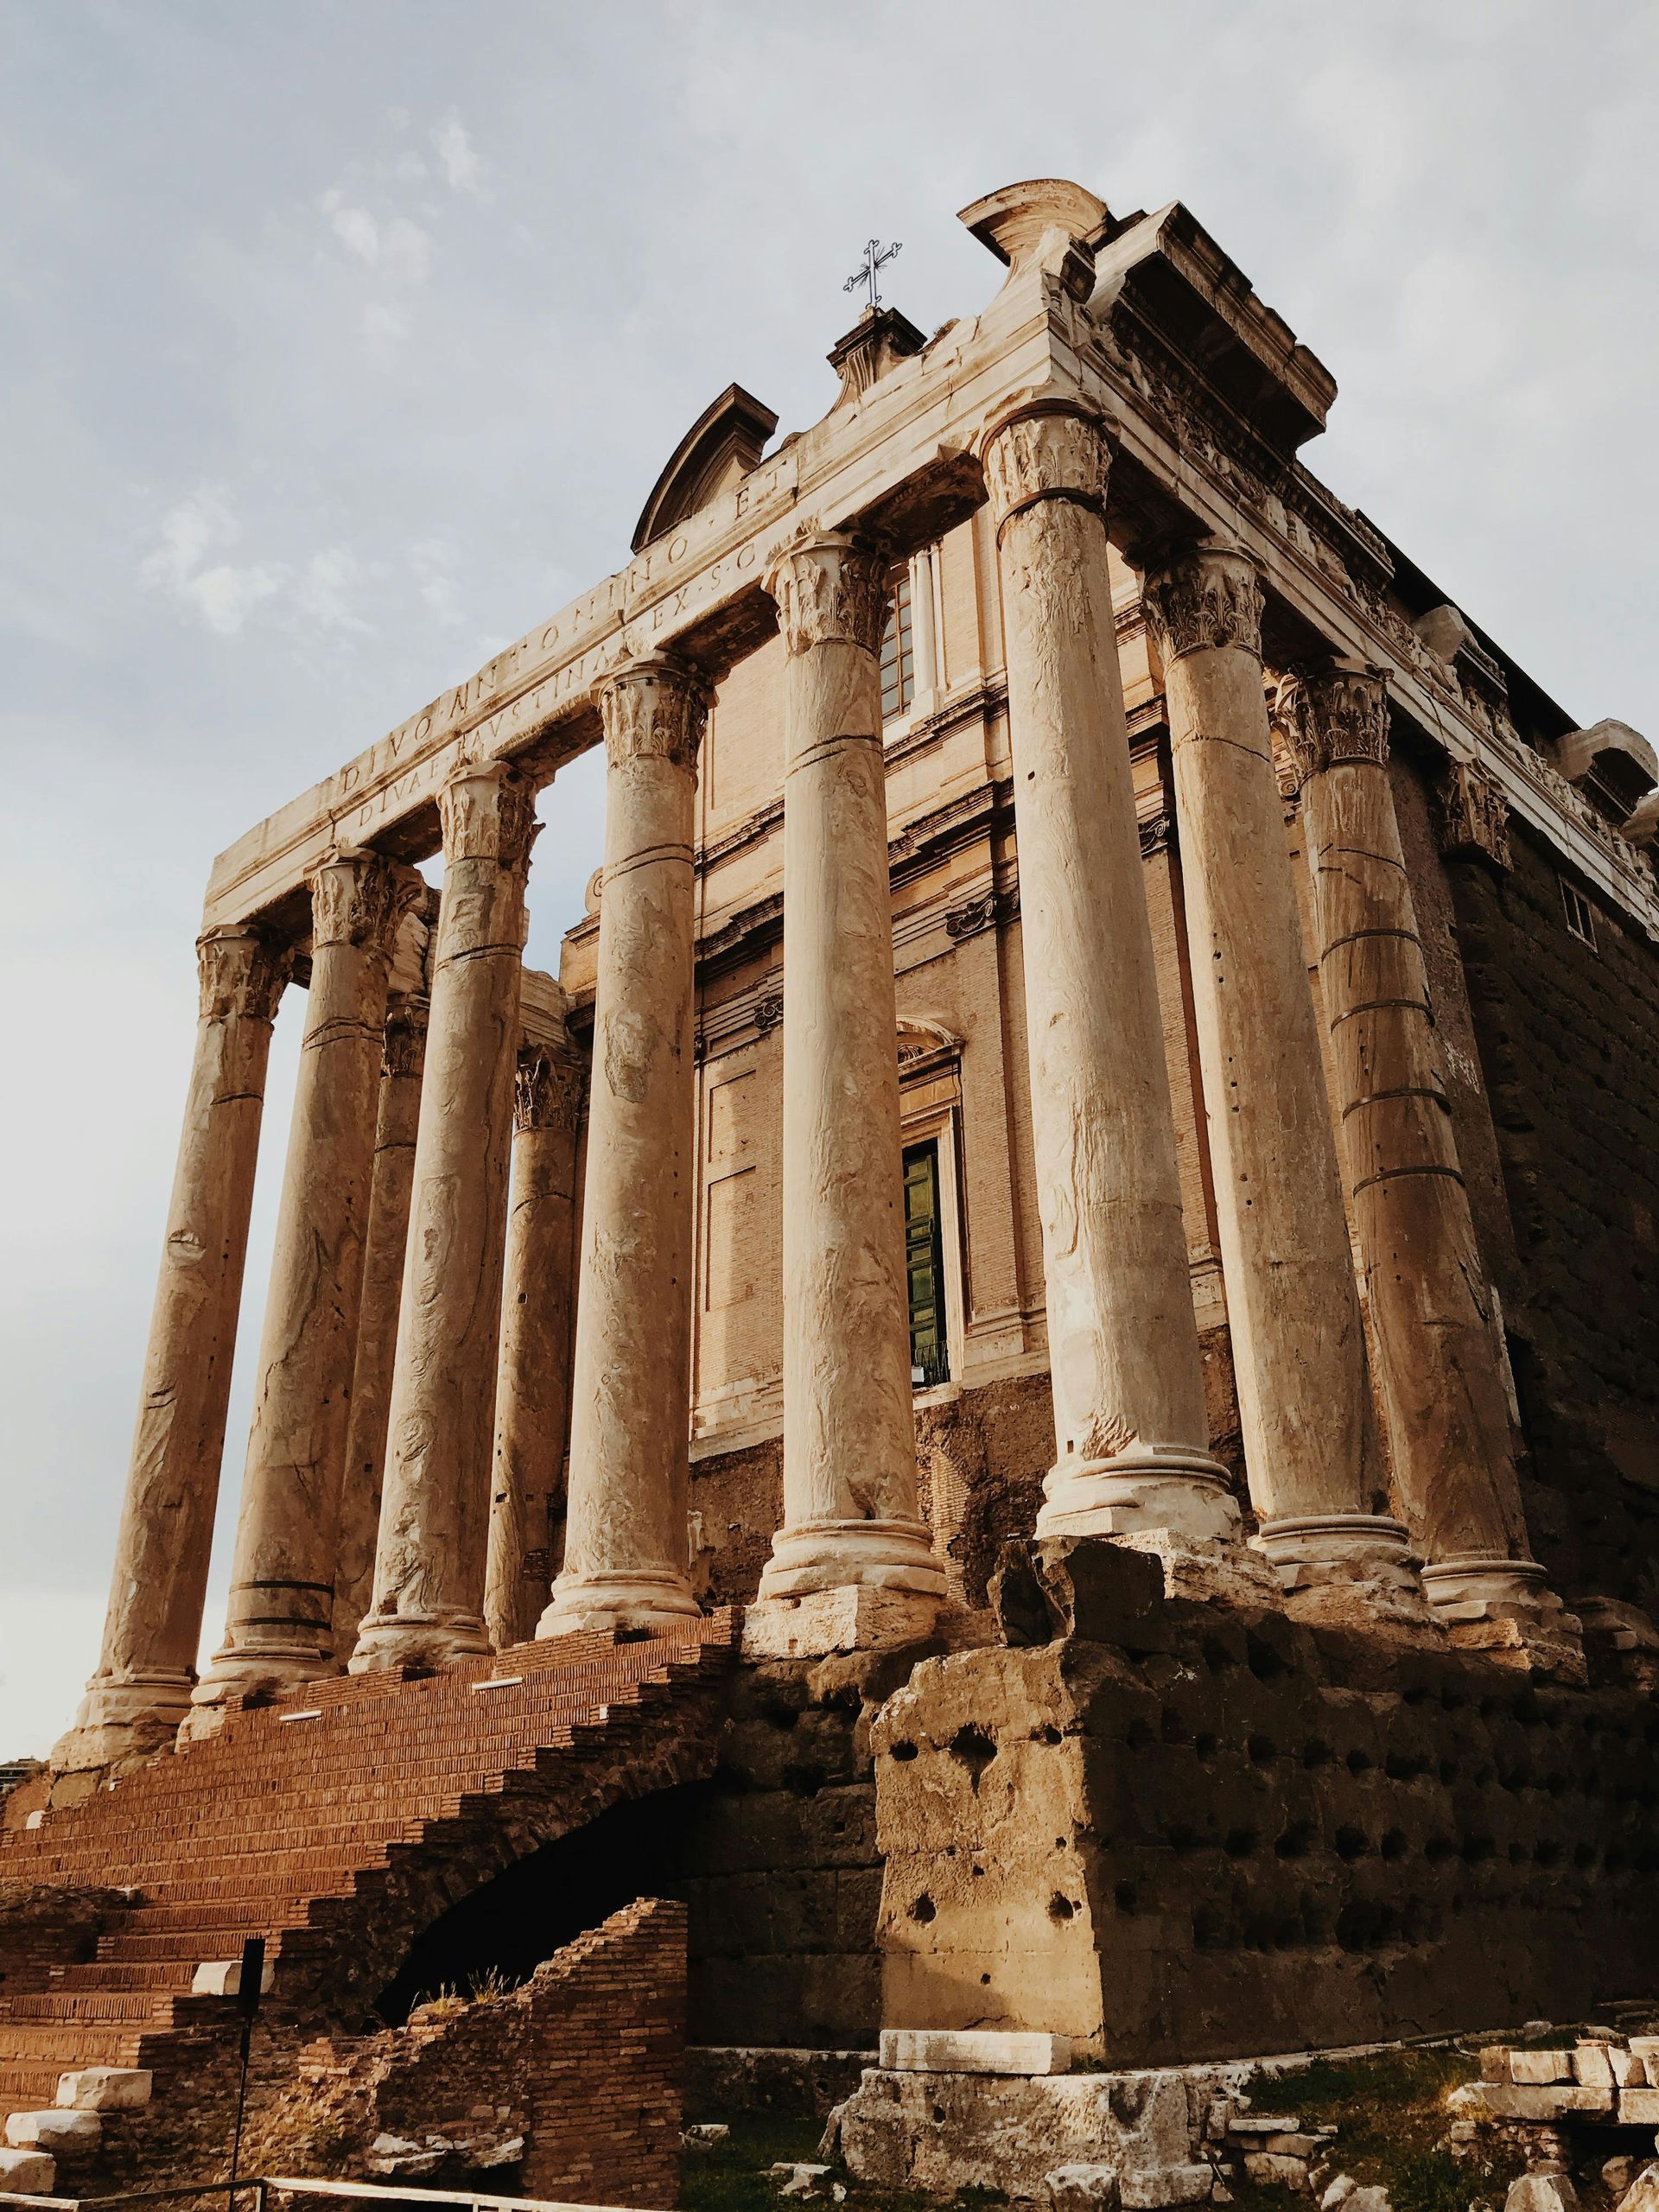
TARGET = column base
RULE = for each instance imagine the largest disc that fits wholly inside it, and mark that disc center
(858, 1616)
(425, 1642)
(123, 1720)
(651, 1597)
(832, 1555)
(1171, 1503)
(1349, 1569)
(237, 1672)
(1505, 1609)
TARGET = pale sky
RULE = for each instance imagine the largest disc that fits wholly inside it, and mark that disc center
(344, 338)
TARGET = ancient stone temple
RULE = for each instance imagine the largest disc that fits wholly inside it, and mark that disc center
(1027, 1398)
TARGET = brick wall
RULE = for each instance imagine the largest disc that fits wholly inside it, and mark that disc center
(1569, 1042)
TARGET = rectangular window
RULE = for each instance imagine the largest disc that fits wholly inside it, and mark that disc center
(898, 652)
(1580, 915)
(930, 1350)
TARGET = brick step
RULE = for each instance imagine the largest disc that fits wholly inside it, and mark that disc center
(159, 1976)
(105, 2007)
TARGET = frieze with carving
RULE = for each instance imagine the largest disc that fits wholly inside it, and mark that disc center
(991, 910)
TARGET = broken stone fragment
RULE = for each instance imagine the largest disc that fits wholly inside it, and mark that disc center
(1372, 2198)
(1152, 2188)
(1083, 2188)
(1592, 2066)
(104, 2088)
(703, 2134)
(1541, 2193)
(800, 2180)
(1642, 2194)
(972, 2050)
(1270, 2168)
(1337, 2191)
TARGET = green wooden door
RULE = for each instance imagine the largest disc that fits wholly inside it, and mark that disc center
(930, 1352)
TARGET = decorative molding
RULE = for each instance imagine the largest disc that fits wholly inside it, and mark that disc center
(830, 588)
(242, 975)
(654, 709)
(768, 1013)
(1205, 598)
(487, 809)
(361, 899)
(1333, 718)
(1156, 832)
(1054, 450)
(547, 1089)
(993, 909)
(1474, 816)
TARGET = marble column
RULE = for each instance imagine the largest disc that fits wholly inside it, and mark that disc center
(147, 1668)
(625, 1545)
(924, 632)
(428, 1571)
(1432, 1325)
(1132, 1457)
(851, 1515)
(532, 1398)
(402, 1063)
(1297, 1346)
(279, 1627)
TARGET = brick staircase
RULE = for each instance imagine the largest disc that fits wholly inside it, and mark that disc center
(337, 1823)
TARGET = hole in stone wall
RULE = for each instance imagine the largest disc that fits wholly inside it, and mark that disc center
(780, 1715)
(1205, 1747)
(1216, 1657)
(1351, 1843)
(1263, 1750)
(1265, 1662)
(1393, 1844)
(1315, 1753)
(1046, 1734)
(1137, 1735)
(1123, 1898)
(924, 1908)
(903, 1752)
(803, 1779)
(1359, 1762)
(972, 1748)
(1296, 1841)
(1209, 1930)
(1241, 1843)
(1438, 1849)
(1060, 1908)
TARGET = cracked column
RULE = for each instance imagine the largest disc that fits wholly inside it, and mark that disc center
(1132, 1457)
(279, 1625)
(1294, 1310)
(532, 1401)
(403, 1060)
(428, 1569)
(146, 1669)
(1433, 1325)
(625, 1545)
(851, 1519)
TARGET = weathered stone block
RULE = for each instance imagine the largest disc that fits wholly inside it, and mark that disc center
(1516, 2100)
(1275, 2168)
(1592, 2066)
(104, 2088)
(1642, 2194)
(1537, 2066)
(63, 2134)
(223, 1978)
(948, 2050)
(1151, 2187)
(1083, 2187)
(1639, 2107)
(27, 2173)
(1541, 2193)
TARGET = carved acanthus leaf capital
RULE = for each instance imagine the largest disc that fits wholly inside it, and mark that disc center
(488, 812)
(654, 708)
(1206, 596)
(241, 974)
(829, 588)
(548, 1087)
(1474, 816)
(1332, 718)
(403, 1051)
(1049, 450)
(361, 898)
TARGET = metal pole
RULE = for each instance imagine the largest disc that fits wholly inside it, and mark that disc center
(247, 2003)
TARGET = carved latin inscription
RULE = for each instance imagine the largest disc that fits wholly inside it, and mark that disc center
(1207, 597)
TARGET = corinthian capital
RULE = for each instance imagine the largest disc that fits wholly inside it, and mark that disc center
(242, 973)
(1335, 716)
(488, 812)
(1205, 596)
(655, 709)
(547, 1089)
(360, 898)
(829, 587)
(1474, 817)
(1049, 450)
(403, 1051)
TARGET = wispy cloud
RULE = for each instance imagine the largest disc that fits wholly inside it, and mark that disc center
(458, 157)
(221, 595)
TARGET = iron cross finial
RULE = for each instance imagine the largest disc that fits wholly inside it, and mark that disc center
(867, 271)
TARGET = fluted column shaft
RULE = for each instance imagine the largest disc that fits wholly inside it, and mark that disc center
(1432, 1324)
(851, 1512)
(428, 1576)
(1131, 1439)
(278, 1628)
(1297, 1346)
(625, 1545)
(532, 1399)
(147, 1668)
(392, 1187)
